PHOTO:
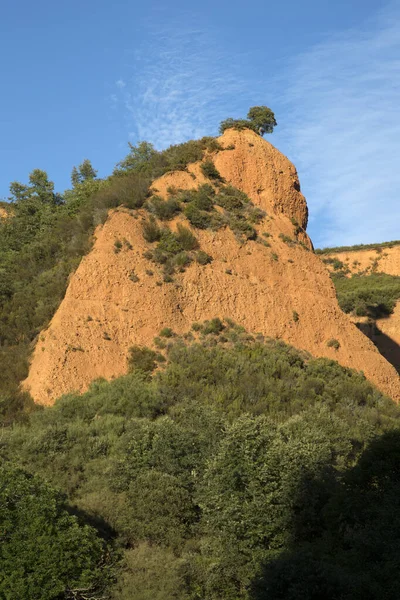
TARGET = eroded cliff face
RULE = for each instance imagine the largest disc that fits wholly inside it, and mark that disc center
(260, 287)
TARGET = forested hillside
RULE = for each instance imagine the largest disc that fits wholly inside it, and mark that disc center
(241, 469)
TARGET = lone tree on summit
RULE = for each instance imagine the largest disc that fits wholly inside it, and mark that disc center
(260, 119)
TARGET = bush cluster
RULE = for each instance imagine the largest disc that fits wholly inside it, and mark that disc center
(173, 250)
(239, 213)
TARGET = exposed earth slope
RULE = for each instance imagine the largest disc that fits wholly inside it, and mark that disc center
(273, 285)
(378, 260)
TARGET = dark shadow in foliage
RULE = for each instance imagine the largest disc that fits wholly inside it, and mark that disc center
(385, 344)
(348, 548)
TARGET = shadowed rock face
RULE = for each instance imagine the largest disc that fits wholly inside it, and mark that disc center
(104, 312)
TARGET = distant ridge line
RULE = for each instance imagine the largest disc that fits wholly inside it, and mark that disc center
(357, 247)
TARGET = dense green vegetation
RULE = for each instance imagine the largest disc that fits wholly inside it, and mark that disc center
(373, 295)
(237, 465)
(45, 552)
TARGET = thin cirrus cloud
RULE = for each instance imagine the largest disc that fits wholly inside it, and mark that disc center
(342, 129)
(337, 107)
(180, 84)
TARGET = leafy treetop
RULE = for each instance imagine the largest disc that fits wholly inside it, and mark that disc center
(39, 188)
(260, 119)
(85, 172)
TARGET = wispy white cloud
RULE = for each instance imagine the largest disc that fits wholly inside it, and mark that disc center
(180, 85)
(341, 127)
(337, 107)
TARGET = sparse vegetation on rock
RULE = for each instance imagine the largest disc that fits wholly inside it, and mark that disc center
(260, 119)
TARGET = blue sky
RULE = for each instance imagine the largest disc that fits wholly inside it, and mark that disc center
(81, 79)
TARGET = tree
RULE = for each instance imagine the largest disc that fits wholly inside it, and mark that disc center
(44, 551)
(262, 118)
(138, 159)
(39, 188)
(19, 191)
(75, 177)
(42, 187)
(85, 172)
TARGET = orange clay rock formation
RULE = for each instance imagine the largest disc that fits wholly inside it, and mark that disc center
(115, 300)
(379, 260)
(384, 332)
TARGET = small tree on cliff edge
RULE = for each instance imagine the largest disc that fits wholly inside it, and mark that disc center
(260, 119)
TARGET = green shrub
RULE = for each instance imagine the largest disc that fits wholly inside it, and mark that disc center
(197, 218)
(238, 124)
(169, 243)
(163, 209)
(378, 247)
(133, 276)
(151, 573)
(203, 258)
(142, 359)
(183, 259)
(211, 144)
(214, 326)
(337, 264)
(167, 332)
(260, 119)
(242, 228)
(151, 231)
(203, 199)
(186, 238)
(286, 239)
(210, 171)
(333, 343)
(255, 214)
(231, 198)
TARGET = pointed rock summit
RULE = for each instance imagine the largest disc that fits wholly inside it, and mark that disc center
(274, 285)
